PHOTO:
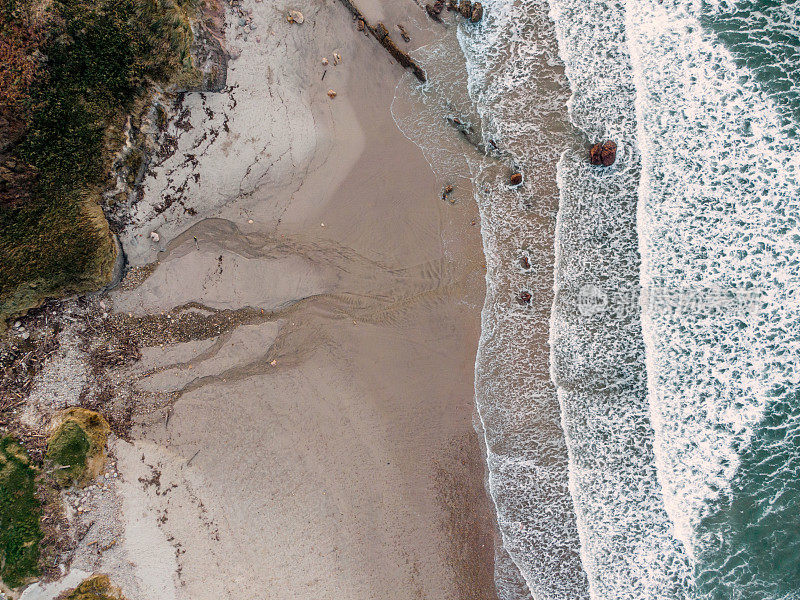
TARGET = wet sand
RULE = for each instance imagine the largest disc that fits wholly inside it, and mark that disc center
(327, 448)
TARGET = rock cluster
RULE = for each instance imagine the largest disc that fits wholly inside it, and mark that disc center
(469, 10)
(603, 153)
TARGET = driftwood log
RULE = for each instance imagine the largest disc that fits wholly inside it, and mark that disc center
(380, 33)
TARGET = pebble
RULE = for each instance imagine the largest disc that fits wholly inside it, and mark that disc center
(26, 335)
(242, 21)
(154, 236)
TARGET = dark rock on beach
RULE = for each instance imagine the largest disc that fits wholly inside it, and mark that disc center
(435, 10)
(477, 12)
(516, 179)
(603, 154)
(467, 9)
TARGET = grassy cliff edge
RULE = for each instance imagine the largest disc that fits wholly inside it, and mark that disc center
(71, 72)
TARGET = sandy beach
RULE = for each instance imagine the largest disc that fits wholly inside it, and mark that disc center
(321, 442)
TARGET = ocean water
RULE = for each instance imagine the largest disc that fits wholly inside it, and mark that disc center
(642, 412)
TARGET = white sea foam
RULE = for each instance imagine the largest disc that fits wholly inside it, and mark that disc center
(627, 541)
(718, 218)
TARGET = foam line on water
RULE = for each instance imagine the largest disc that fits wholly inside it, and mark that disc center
(628, 545)
(719, 206)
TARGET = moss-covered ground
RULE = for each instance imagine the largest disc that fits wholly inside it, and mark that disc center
(95, 59)
(77, 446)
(20, 528)
(96, 587)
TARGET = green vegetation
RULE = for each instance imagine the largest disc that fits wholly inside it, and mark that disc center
(20, 530)
(77, 447)
(97, 587)
(96, 59)
(68, 449)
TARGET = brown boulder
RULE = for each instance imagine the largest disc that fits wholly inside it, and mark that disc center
(465, 8)
(515, 179)
(603, 154)
(434, 11)
(477, 12)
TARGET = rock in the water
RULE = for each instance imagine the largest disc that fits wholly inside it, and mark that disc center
(524, 297)
(477, 12)
(515, 179)
(603, 154)
(465, 8)
(295, 16)
(435, 10)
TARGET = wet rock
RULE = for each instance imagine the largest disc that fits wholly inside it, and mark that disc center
(403, 33)
(477, 12)
(435, 10)
(361, 26)
(515, 179)
(603, 154)
(447, 191)
(524, 263)
(465, 8)
(524, 297)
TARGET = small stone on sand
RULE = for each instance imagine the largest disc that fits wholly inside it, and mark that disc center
(331, 94)
(295, 16)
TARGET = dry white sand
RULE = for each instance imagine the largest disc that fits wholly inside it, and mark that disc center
(328, 450)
